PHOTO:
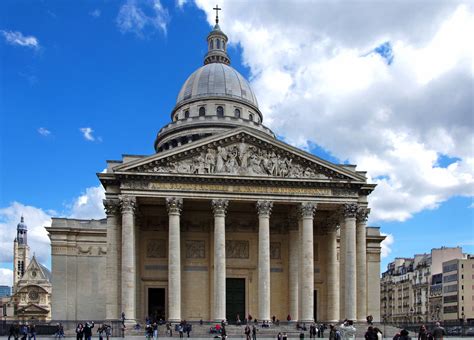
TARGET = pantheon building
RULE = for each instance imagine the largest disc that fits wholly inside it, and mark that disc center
(222, 220)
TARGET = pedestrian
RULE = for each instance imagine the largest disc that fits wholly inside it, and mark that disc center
(32, 332)
(101, 332)
(12, 332)
(438, 332)
(155, 331)
(24, 331)
(180, 330)
(404, 335)
(288, 318)
(348, 330)
(285, 336)
(254, 332)
(370, 334)
(88, 330)
(279, 336)
(379, 333)
(188, 329)
(223, 332)
(334, 334)
(247, 332)
(422, 333)
(108, 331)
(79, 331)
(59, 331)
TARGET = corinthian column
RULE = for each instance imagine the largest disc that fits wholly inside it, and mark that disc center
(332, 271)
(350, 278)
(112, 209)
(293, 260)
(264, 209)
(128, 205)
(307, 210)
(174, 206)
(362, 216)
(219, 208)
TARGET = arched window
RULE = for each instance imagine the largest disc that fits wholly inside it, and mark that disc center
(186, 114)
(251, 117)
(202, 111)
(218, 43)
(211, 44)
(220, 111)
(237, 113)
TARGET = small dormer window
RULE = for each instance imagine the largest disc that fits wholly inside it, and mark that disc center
(237, 113)
(202, 111)
(186, 114)
(220, 111)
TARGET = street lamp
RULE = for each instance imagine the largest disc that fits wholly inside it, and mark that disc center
(462, 323)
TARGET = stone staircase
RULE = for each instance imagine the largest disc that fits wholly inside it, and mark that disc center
(234, 331)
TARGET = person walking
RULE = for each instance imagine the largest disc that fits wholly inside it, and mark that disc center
(438, 332)
(254, 332)
(247, 332)
(12, 332)
(32, 332)
(334, 334)
(422, 333)
(88, 330)
(348, 330)
(370, 334)
(155, 331)
(80, 331)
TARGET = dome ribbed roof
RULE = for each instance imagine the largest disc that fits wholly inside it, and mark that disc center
(217, 80)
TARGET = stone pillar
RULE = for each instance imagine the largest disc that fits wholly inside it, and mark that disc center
(264, 209)
(362, 216)
(332, 282)
(112, 309)
(129, 299)
(219, 208)
(307, 210)
(350, 263)
(174, 206)
(342, 268)
(293, 261)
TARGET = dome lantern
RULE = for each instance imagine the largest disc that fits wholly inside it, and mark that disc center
(217, 44)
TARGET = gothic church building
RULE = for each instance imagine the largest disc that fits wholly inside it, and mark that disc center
(222, 220)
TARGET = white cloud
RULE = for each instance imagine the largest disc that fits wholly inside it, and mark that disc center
(386, 245)
(89, 204)
(316, 83)
(35, 219)
(142, 17)
(88, 134)
(6, 277)
(18, 39)
(44, 132)
(95, 13)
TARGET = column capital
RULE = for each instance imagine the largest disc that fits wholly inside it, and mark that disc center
(128, 203)
(307, 209)
(174, 205)
(363, 214)
(219, 206)
(349, 210)
(111, 206)
(264, 207)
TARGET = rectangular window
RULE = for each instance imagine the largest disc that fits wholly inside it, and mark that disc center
(450, 267)
(450, 289)
(450, 298)
(450, 309)
(450, 278)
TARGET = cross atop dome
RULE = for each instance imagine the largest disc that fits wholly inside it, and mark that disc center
(217, 9)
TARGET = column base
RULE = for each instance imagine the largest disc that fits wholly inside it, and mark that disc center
(306, 321)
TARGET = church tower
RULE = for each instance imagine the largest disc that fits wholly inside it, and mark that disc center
(21, 252)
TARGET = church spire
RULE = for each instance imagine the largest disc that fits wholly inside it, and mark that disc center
(21, 231)
(217, 44)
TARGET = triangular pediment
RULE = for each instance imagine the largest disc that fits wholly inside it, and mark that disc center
(243, 153)
(32, 308)
(34, 273)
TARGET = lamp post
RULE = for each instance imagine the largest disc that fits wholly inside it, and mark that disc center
(462, 323)
(437, 313)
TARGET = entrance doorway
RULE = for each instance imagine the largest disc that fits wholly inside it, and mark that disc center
(156, 303)
(315, 305)
(235, 299)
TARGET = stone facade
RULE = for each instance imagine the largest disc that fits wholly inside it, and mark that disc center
(223, 220)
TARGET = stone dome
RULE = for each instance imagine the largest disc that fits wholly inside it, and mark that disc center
(217, 80)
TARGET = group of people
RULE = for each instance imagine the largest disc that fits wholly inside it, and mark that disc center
(22, 331)
(84, 331)
(437, 333)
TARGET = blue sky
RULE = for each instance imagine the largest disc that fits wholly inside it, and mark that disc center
(80, 65)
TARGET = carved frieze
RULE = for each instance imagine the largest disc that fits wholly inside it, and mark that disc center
(243, 159)
(275, 250)
(237, 249)
(156, 248)
(195, 249)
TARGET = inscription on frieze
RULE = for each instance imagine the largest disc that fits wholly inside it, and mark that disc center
(156, 248)
(236, 249)
(195, 249)
(227, 188)
(275, 250)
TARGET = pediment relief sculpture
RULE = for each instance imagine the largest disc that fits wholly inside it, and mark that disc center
(242, 159)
